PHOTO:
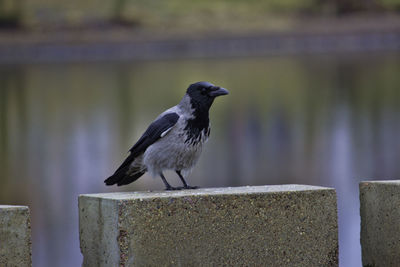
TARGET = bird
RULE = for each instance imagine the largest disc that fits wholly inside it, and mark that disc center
(173, 141)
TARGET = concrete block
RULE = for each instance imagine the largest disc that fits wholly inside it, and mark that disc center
(380, 223)
(288, 225)
(15, 236)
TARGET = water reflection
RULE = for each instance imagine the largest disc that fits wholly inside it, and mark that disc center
(324, 120)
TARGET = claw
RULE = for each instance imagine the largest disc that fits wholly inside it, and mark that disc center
(171, 188)
(190, 187)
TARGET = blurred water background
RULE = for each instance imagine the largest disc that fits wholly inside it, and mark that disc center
(329, 120)
(314, 99)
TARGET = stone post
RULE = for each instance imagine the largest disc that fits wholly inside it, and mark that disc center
(15, 236)
(288, 225)
(380, 223)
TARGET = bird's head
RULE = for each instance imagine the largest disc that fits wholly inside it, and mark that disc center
(204, 93)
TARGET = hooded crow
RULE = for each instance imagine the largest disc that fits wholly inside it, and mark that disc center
(173, 141)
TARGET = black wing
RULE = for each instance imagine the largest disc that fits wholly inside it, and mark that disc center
(125, 174)
(150, 136)
(153, 133)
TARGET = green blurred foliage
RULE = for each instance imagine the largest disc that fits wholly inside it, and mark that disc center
(177, 13)
(391, 4)
(10, 13)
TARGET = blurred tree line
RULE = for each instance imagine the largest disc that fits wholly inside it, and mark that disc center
(10, 13)
(17, 13)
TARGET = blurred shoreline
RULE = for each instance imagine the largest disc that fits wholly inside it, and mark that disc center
(119, 43)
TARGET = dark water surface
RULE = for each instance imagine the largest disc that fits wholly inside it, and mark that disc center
(322, 120)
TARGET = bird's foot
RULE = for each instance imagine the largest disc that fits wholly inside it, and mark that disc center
(189, 187)
(171, 188)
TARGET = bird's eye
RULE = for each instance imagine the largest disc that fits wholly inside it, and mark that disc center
(203, 91)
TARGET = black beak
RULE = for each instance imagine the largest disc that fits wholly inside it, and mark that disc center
(218, 92)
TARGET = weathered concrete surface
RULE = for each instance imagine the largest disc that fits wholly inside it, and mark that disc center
(15, 236)
(380, 223)
(288, 225)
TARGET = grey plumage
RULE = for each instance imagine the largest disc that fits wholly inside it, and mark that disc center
(173, 141)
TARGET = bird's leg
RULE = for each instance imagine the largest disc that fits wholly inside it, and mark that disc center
(185, 185)
(167, 185)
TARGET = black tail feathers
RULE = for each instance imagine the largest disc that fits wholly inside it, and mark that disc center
(124, 176)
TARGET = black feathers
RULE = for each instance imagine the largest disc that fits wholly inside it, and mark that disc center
(126, 174)
(200, 122)
(180, 149)
(202, 95)
(154, 132)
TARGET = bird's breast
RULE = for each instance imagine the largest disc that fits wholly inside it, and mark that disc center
(176, 151)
